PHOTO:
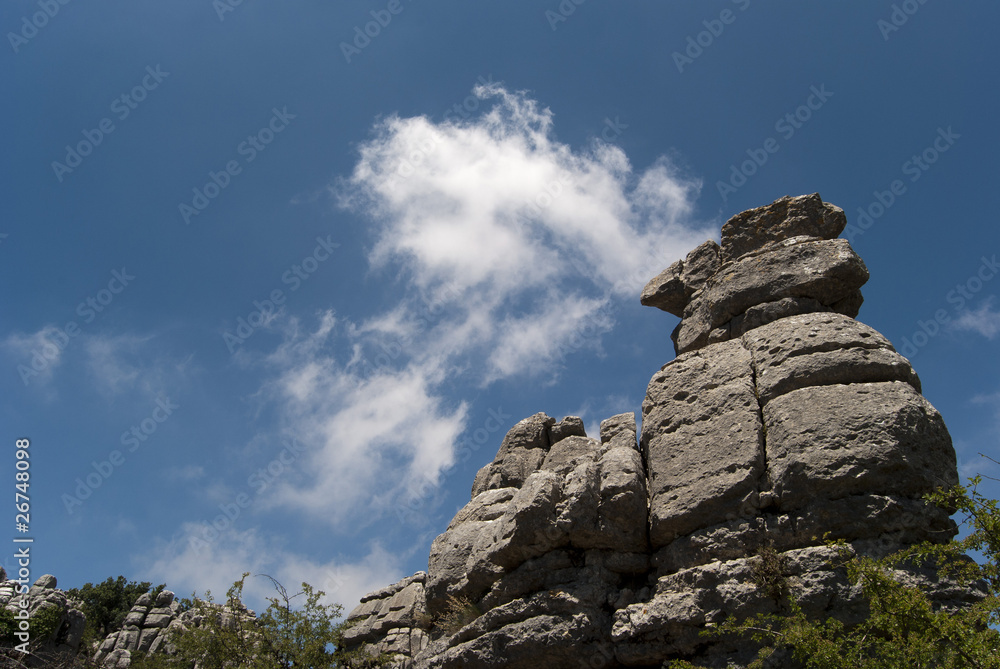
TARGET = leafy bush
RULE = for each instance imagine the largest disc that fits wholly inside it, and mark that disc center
(107, 603)
(280, 638)
(903, 630)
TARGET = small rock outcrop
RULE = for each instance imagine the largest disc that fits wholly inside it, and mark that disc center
(775, 261)
(781, 423)
(64, 626)
(144, 630)
(150, 624)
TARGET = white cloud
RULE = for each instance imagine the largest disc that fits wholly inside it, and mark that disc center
(367, 430)
(202, 566)
(37, 354)
(984, 320)
(511, 248)
(499, 212)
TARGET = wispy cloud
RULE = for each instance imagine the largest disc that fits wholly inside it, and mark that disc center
(36, 355)
(518, 227)
(366, 430)
(509, 245)
(214, 567)
(984, 320)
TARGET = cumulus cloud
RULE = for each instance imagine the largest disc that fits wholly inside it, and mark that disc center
(516, 226)
(984, 320)
(511, 250)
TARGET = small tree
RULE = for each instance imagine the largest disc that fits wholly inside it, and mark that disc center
(904, 629)
(107, 603)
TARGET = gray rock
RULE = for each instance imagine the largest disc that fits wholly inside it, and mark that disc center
(521, 453)
(881, 438)
(785, 218)
(622, 424)
(549, 629)
(165, 598)
(822, 349)
(46, 581)
(671, 290)
(703, 441)
(565, 455)
(784, 423)
(700, 265)
(569, 426)
(762, 314)
(451, 551)
(826, 271)
(666, 291)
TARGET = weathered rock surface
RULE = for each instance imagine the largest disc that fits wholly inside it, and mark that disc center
(785, 218)
(392, 620)
(781, 423)
(702, 437)
(775, 261)
(145, 630)
(67, 631)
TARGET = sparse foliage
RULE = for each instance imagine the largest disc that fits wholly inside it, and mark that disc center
(282, 637)
(904, 629)
(458, 613)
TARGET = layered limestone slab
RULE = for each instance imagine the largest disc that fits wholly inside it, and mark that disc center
(785, 218)
(828, 271)
(822, 349)
(703, 441)
(834, 441)
(393, 619)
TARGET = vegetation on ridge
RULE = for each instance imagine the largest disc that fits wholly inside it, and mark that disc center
(904, 629)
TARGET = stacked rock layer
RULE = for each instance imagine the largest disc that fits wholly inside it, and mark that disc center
(67, 621)
(781, 424)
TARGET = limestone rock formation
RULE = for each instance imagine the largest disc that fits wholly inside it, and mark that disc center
(151, 622)
(782, 422)
(67, 629)
(144, 630)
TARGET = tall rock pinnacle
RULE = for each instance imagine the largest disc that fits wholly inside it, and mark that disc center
(782, 423)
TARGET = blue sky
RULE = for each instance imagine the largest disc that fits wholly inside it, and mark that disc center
(258, 262)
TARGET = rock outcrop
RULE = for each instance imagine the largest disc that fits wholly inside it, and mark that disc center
(781, 423)
(152, 621)
(58, 621)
